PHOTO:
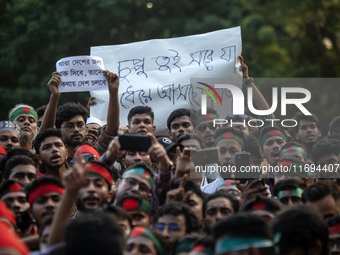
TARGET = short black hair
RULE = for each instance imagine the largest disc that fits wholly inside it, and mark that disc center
(190, 185)
(41, 136)
(188, 136)
(288, 184)
(141, 110)
(321, 189)
(94, 233)
(16, 152)
(244, 225)
(182, 112)
(300, 226)
(41, 110)
(119, 212)
(334, 127)
(68, 111)
(235, 203)
(15, 161)
(328, 145)
(177, 208)
(252, 145)
(301, 116)
(40, 181)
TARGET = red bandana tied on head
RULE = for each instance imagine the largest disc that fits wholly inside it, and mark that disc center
(86, 149)
(334, 229)
(100, 171)
(42, 190)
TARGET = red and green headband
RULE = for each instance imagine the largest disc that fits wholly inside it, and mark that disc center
(225, 245)
(334, 229)
(294, 148)
(86, 149)
(203, 249)
(141, 231)
(207, 117)
(23, 110)
(271, 133)
(229, 135)
(225, 183)
(43, 190)
(142, 171)
(100, 171)
(261, 205)
(290, 192)
(15, 187)
(135, 204)
(294, 168)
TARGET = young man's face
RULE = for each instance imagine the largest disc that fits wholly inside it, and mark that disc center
(327, 206)
(52, 152)
(206, 131)
(9, 139)
(140, 245)
(24, 174)
(171, 234)
(334, 244)
(192, 144)
(308, 132)
(216, 210)
(135, 183)
(95, 193)
(271, 149)
(133, 157)
(17, 202)
(291, 200)
(196, 204)
(179, 126)
(140, 219)
(329, 162)
(74, 131)
(228, 149)
(45, 206)
(141, 124)
(293, 154)
(27, 124)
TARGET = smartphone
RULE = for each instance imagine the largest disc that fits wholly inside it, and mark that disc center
(206, 156)
(242, 160)
(135, 142)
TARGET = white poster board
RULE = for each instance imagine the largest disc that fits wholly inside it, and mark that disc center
(81, 73)
(157, 73)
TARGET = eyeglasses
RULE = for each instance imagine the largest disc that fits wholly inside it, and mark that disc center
(70, 126)
(173, 227)
(87, 158)
(234, 193)
(133, 182)
(203, 127)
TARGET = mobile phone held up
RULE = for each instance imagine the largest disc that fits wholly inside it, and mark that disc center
(134, 142)
(206, 156)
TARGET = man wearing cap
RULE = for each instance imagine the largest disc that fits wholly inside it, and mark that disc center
(51, 152)
(138, 209)
(26, 118)
(94, 126)
(205, 127)
(9, 135)
(44, 196)
(13, 194)
(170, 148)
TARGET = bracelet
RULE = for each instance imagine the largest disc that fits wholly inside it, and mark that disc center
(247, 82)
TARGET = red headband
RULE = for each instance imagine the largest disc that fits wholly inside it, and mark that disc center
(102, 171)
(334, 229)
(42, 190)
(86, 149)
(7, 213)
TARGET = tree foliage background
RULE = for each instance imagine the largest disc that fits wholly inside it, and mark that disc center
(280, 39)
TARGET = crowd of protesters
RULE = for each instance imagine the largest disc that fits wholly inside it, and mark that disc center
(68, 187)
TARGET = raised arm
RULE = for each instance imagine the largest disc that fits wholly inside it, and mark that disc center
(258, 98)
(51, 109)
